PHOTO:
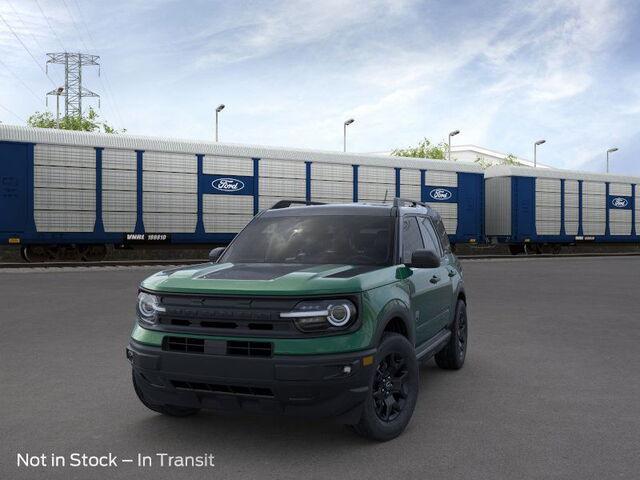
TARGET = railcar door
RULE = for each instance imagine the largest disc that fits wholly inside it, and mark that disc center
(13, 187)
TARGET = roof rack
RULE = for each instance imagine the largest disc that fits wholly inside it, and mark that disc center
(288, 203)
(401, 202)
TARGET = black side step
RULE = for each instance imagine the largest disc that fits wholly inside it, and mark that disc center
(433, 346)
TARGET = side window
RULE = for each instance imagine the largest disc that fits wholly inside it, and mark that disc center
(442, 235)
(411, 238)
(430, 239)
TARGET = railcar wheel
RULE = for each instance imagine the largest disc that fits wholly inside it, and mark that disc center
(40, 253)
(92, 253)
(516, 249)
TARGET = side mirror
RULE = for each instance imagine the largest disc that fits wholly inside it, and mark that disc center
(215, 254)
(424, 259)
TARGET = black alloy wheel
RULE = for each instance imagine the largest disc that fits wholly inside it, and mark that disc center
(390, 387)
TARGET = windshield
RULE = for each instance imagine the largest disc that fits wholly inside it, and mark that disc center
(317, 239)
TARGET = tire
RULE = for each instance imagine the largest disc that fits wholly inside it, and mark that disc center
(452, 356)
(170, 410)
(393, 390)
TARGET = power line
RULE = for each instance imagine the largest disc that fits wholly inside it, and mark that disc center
(24, 24)
(75, 25)
(50, 26)
(20, 80)
(13, 113)
(106, 85)
(27, 49)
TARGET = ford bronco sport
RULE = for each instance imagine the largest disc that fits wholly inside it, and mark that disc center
(320, 310)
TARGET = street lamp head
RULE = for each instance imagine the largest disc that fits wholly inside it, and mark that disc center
(454, 133)
(540, 142)
(614, 149)
(220, 108)
(349, 122)
(60, 90)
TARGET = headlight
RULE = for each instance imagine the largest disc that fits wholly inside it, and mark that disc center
(322, 315)
(148, 308)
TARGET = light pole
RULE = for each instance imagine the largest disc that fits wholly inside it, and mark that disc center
(59, 91)
(218, 110)
(535, 152)
(344, 136)
(611, 150)
(451, 134)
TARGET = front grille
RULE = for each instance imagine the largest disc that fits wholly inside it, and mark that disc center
(217, 347)
(229, 389)
(246, 316)
(184, 344)
(249, 349)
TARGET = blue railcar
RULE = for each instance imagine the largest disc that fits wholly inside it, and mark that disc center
(79, 192)
(537, 209)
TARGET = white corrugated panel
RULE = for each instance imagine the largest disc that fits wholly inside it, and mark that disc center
(623, 189)
(376, 191)
(435, 178)
(378, 175)
(216, 165)
(409, 176)
(169, 162)
(548, 206)
(270, 168)
(332, 171)
(412, 192)
(169, 202)
(119, 159)
(619, 221)
(169, 182)
(64, 199)
(64, 156)
(119, 221)
(230, 204)
(449, 214)
(121, 180)
(282, 187)
(594, 204)
(331, 189)
(169, 222)
(64, 221)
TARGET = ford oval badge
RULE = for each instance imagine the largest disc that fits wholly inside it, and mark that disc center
(619, 202)
(440, 194)
(227, 184)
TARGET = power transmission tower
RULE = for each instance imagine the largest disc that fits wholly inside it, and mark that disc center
(73, 91)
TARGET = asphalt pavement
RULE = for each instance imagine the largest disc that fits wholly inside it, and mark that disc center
(551, 387)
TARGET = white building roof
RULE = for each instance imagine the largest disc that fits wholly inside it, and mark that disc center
(130, 142)
(469, 153)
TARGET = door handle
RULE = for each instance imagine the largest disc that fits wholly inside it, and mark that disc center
(435, 279)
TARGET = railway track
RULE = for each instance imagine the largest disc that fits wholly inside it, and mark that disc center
(161, 263)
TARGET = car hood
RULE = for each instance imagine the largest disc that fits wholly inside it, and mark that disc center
(270, 279)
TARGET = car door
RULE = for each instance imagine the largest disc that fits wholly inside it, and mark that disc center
(420, 282)
(439, 305)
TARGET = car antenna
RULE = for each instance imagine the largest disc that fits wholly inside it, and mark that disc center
(385, 195)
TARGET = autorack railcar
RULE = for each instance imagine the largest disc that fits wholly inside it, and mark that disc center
(75, 193)
(534, 210)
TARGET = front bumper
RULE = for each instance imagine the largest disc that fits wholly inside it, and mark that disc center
(306, 385)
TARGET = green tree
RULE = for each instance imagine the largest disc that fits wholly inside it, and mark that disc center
(425, 149)
(510, 159)
(87, 123)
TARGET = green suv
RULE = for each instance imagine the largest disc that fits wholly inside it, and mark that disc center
(313, 310)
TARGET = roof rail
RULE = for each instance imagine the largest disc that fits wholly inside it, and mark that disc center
(288, 203)
(400, 202)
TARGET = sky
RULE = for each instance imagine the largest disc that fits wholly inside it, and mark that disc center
(504, 73)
